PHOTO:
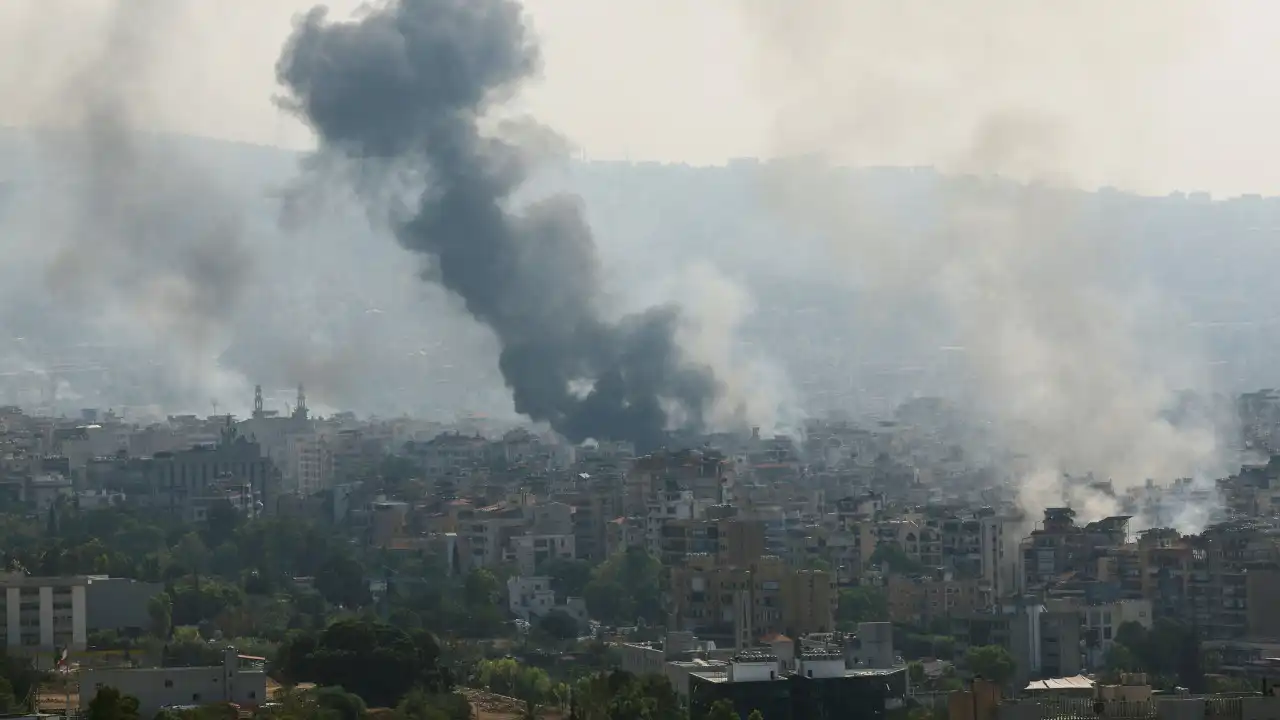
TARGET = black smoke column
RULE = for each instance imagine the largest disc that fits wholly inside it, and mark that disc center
(403, 88)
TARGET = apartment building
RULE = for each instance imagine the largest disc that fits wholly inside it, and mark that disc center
(730, 541)
(705, 473)
(530, 551)
(736, 604)
(665, 507)
(531, 597)
(486, 532)
(1061, 546)
(47, 614)
(922, 599)
(180, 481)
(1045, 641)
(1100, 622)
(307, 467)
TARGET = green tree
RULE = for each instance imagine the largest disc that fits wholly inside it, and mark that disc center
(722, 710)
(379, 662)
(342, 704)
(221, 523)
(21, 674)
(1137, 640)
(510, 678)
(191, 554)
(626, 587)
(915, 671)
(341, 580)
(8, 701)
(110, 704)
(992, 662)
(569, 578)
(420, 705)
(559, 625)
(480, 592)
(160, 609)
(862, 604)
(756, 715)
(481, 587)
(1120, 659)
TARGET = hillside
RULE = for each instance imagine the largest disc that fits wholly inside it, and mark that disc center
(336, 303)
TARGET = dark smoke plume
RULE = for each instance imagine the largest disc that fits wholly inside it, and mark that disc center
(406, 86)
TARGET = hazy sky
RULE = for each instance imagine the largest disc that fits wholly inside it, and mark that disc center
(697, 81)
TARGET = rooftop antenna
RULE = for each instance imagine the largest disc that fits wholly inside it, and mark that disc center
(257, 401)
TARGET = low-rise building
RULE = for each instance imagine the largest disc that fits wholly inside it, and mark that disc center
(820, 686)
(240, 679)
(531, 597)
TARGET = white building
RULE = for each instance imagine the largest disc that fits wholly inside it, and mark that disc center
(240, 680)
(307, 463)
(44, 615)
(531, 597)
(671, 505)
(1099, 624)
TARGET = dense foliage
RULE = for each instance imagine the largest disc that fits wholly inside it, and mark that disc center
(379, 662)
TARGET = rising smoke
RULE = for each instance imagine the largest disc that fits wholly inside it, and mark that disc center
(1072, 364)
(406, 91)
(141, 248)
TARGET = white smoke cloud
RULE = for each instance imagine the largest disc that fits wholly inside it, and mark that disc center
(757, 391)
(1074, 365)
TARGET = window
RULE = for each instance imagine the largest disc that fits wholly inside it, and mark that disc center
(168, 683)
(195, 697)
(253, 694)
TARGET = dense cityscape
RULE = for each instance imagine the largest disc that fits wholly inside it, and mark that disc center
(408, 408)
(861, 568)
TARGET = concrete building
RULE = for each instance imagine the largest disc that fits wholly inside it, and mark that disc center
(920, 600)
(730, 541)
(240, 679)
(307, 468)
(48, 614)
(1044, 640)
(707, 474)
(871, 647)
(1099, 624)
(820, 686)
(387, 520)
(530, 551)
(529, 598)
(734, 605)
(180, 481)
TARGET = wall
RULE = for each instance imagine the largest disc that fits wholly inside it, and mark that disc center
(118, 603)
(158, 687)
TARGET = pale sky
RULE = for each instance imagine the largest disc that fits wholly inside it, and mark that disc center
(702, 81)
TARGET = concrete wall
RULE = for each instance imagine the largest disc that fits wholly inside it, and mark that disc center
(158, 687)
(118, 603)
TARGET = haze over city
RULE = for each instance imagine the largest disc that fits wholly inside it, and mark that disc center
(863, 303)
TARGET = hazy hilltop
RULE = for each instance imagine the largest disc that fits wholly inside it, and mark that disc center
(334, 302)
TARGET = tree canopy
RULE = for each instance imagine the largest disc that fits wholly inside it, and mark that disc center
(992, 662)
(379, 662)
